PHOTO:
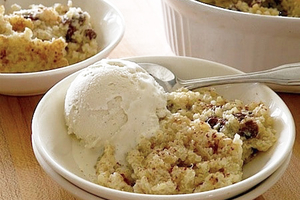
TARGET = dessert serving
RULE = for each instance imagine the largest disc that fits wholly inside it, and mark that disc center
(40, 38)
(163, 143)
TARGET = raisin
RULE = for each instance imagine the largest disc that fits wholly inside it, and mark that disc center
(90, 34)
(249, 130)
(71, 30)
(213, 121)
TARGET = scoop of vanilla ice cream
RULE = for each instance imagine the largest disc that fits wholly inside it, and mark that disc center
(115, 101)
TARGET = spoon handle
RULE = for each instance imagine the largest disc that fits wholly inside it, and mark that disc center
(288, 75)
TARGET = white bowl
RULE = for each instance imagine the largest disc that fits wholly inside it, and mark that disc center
(266, 184)
(80, 193)
(75, 163)
(249, 42)
(108, 24)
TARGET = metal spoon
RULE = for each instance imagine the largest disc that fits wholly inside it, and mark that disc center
(288, 75)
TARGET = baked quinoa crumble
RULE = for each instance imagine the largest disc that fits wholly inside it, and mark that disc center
(201, 145)
(41, 38)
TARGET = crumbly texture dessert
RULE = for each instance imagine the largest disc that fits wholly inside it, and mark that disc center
(41, 38)
(201, 145)
(290, 8)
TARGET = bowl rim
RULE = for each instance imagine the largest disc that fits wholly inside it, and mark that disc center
(252, 193)
(247, 15)
(64, 183)
(87, 185)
